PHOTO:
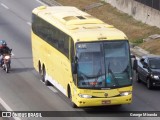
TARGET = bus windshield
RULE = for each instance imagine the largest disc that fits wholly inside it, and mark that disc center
(103, 64)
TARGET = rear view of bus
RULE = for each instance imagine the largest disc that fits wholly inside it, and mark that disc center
(95, 69)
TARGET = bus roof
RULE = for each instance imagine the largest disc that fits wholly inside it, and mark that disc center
(78, 24)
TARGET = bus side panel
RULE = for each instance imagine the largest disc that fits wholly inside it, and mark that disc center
(56, 64)
(67, 75)
(44, 53)
(35, 50)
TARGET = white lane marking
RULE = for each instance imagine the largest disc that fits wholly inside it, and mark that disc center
(53, 89)
(40, 2)
(4, 6)
(29, 23)
(4, 104)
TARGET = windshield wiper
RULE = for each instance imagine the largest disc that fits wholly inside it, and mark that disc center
(94, 76)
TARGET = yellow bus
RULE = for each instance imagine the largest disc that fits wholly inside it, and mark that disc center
(86, 59)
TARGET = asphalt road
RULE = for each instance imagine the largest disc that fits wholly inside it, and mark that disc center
(22, 90)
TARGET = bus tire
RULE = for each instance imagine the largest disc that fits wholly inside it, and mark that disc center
(39, 68)
(70, 97)
(43, 74)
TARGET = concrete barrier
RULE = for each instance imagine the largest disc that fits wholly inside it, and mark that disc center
(138, 10)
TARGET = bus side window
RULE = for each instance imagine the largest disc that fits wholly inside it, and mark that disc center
(55, 38)
(66, 46)
(60, 42)
(63, 44)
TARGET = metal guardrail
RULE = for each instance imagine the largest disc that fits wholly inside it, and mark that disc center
(151, 3)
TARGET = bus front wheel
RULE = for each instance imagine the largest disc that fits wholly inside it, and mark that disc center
(70, 97)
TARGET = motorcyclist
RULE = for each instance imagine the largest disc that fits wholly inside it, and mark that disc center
(4, 49)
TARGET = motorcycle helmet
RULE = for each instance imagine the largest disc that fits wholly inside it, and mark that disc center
(3, 43)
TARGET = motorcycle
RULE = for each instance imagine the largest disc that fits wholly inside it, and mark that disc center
(6, 62)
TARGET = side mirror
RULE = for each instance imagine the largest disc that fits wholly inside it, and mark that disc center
(133, 56)
(134, 61)
(74, 65)
(135, 64)
(74, 68)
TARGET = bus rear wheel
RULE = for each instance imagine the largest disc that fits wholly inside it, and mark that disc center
(43, 74)
(39, 68)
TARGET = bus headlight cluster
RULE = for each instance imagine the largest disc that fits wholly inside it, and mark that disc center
(85, 96)
(125, 93)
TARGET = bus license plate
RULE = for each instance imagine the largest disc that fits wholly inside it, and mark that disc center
(106, 102)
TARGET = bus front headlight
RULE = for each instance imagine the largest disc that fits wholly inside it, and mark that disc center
(85, 96)
(125, 93)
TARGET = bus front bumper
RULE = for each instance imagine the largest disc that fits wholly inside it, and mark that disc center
(87, 102)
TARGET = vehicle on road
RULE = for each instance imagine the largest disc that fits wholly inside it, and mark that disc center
(148, 70)
(6, 60)
(88, 60)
